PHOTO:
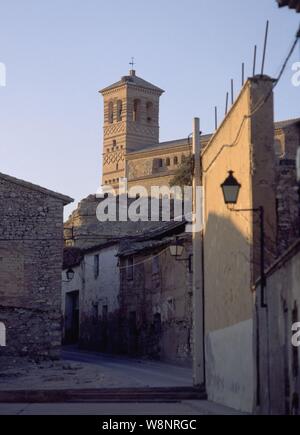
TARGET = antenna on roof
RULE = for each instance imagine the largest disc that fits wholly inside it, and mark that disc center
(243, 74)
(232, 96)
(216, 117)
(265, 48)
(254, 59)
(226, 105)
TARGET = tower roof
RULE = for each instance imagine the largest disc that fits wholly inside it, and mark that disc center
(132, 80)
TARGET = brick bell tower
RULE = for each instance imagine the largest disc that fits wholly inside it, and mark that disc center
(131, 121)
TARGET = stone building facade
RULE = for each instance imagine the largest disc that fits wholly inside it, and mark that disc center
(155, 302)
(90, 301)
(31, 248)
(279, 362)
(99, 303)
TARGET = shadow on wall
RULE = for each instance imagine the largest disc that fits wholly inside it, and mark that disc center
(229, 306)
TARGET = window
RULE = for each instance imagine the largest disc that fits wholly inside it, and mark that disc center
(95, 312)
(114, 143)
(149, 111)
(119, 110)
(110, 112)
(175, 160)
(117, 167)
(155, 265)
(96, 266)
(160, 163)
(168, 162)
(104, 312)
(136, 110)
(129, 268)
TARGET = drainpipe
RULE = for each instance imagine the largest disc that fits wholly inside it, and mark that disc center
(198, 330)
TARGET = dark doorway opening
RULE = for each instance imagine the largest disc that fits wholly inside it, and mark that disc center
(72, 317)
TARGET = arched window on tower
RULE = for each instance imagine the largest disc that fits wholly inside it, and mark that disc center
(110, 112)
(175, 160)
(119, 110)
(168, 162)
(136, 110)
(149, 111)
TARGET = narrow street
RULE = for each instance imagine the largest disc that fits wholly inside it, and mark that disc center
(125, 372)
(135, 372)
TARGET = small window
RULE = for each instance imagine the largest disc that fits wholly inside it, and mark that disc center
(149, 111)
(160, 163)
(110, 112)
(130, 268)
(114, 143)
(175, 160)
(96, 266)
(155, 265)
(168, 162)
(136, 110)
(119, 110)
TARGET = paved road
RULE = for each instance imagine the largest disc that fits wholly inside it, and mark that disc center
(183, 408)
(145, 373)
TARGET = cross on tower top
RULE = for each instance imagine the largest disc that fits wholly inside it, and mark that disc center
(132, 63)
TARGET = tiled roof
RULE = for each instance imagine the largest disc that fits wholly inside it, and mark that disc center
(169, 144)
(65, 199)
(133, 80)
(287, 123)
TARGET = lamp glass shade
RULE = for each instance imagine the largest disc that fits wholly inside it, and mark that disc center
(231, 188)
(176, 249)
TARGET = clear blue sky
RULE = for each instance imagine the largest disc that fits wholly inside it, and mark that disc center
(59, 53)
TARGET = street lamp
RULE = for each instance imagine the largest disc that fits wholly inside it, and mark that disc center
(231, 188)
(176, 248)
(69, 274)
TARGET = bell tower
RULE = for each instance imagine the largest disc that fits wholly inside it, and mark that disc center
(131, 121)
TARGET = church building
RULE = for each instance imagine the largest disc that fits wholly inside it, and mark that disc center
(131, 146)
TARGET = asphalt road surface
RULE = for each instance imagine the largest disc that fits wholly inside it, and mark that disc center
(145, 373)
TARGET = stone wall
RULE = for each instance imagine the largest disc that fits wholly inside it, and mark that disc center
(279, 359)
(156, 306)
(31, 244)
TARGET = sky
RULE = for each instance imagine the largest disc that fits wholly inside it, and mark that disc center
(59, 53)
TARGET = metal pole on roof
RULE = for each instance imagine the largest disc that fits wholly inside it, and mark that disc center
(198, 299)
(265, 48)
(254, 60)
(226, 104)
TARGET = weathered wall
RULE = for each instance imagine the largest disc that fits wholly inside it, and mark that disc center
(98, 328)
(279, 360)
(31, 244)
(161, 301)
(243, 144)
